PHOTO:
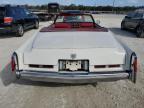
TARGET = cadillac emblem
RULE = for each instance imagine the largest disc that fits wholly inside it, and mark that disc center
(73, 56)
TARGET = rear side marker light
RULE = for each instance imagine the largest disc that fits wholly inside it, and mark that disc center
(135, 64)
(13, 64)
(8, 20)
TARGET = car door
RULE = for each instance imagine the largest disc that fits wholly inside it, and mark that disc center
(18, 15)
(129, 20)
(29, 18)
(136, 20)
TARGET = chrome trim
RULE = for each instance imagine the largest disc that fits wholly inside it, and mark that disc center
(72, 77)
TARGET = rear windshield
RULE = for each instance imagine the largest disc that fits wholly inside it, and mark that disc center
(2, 11)
(74, 18)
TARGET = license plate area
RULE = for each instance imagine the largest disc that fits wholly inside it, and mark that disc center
(73, 65)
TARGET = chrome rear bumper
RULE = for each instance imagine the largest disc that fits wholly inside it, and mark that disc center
(72, 77)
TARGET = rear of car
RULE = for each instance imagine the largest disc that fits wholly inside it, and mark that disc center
(10, 19)
(74, 50)
(5, 21)
(74, 61)
(16, 19)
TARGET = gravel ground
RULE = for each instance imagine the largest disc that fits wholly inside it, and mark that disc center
(28, 94)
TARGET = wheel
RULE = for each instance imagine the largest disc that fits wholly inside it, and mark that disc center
(19, 31)
(140, 32)
(123, 26)
(36, 25)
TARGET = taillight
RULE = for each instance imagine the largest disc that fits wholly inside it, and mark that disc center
(135, 64)
(13, 64)
(134, 68)
(8, 19)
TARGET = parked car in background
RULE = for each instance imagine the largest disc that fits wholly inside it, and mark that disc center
(142, 29)
(74, 49)
(16, 19)
(135, 22)
(52, 10)
(44, 16)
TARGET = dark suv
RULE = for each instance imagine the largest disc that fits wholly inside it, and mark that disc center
(16, 19)
(134, 21)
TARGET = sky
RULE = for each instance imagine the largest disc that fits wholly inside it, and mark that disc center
(77, 2)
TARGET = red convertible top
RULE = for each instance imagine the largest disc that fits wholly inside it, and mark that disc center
(73, 27)
(69, 23)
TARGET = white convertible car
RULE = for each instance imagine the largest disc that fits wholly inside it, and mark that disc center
(74, 49)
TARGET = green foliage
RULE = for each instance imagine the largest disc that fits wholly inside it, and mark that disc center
(89, 8)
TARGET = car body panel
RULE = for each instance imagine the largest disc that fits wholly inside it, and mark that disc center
(73, 78)
(39, 58)
(75, 40)
(59, 45)
(133, 20)
(19, 17)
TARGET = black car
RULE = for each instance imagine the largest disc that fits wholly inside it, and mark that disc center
(16, 19)
(134, 21)
(44, 16)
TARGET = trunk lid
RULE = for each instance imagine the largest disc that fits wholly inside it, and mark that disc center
(74, 40)
(96, 56)
(99, 48)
